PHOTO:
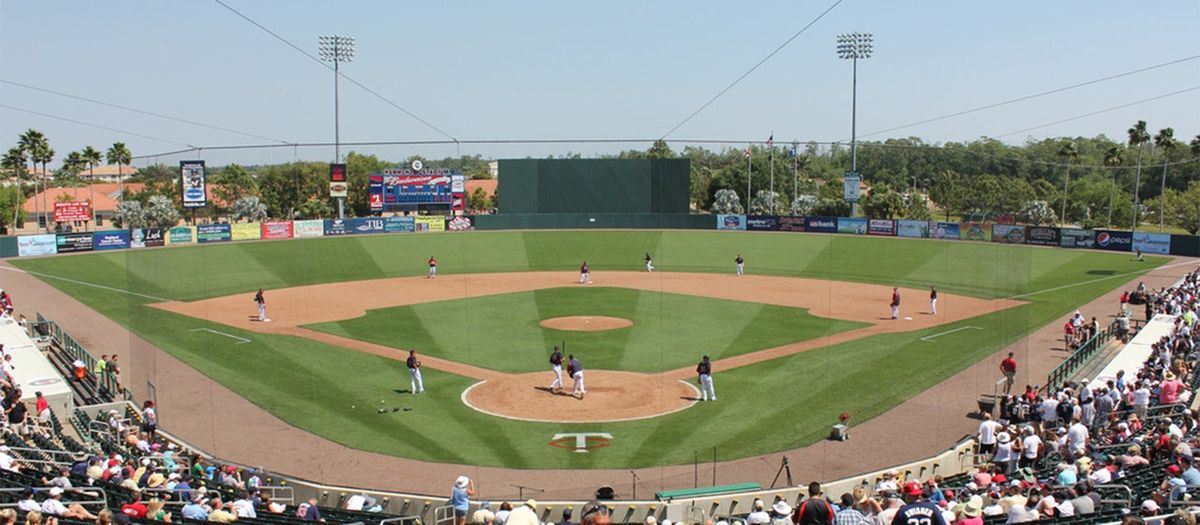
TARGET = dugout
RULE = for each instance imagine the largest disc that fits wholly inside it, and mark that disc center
(529, 186)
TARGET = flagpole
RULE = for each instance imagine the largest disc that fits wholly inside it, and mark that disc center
(795, 176)
(771, 158)
(749, 152)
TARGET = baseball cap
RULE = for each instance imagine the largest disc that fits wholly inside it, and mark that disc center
(912, 488)
(1150, 505)
(1174, 469)
(56, 491)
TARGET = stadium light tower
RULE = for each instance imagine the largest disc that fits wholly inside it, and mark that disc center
(336, 49)
(852, 47)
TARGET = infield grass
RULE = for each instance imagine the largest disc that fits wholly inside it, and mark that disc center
(765, 407)
(504, 333)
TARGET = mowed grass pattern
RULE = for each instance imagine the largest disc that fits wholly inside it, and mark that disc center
(765, 407)
(502, 332)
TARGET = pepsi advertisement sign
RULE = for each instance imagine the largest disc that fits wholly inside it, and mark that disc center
(1114, 240)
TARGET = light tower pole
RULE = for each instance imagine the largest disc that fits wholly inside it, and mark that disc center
(853, 46)
(336, 49)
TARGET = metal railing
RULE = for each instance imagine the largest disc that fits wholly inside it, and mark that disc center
(106, 382)
(279, 493)
(1080, 357)
(181, 462)
(402, 520)
(443, 515)
(100, 495)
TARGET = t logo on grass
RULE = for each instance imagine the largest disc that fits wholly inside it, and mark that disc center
(584, 441)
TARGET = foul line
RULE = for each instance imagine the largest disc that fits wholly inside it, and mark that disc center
(947, 332)
(84, 283)
(231, 336)
(1114, 276)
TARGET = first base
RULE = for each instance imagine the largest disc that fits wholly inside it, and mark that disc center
(908, 319)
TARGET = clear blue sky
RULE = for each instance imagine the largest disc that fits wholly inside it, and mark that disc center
(552, 69)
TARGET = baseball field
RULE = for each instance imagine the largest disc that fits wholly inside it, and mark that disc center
(803, 337)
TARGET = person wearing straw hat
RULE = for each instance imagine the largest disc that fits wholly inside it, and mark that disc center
(460, 498)
(781, 513)
(969, 514)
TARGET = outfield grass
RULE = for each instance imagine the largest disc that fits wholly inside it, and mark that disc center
(503, 332)
(313, 385)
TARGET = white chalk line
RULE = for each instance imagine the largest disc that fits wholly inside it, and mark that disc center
(948, 332)
(84, 283)
(242, 340)
(1096, 280)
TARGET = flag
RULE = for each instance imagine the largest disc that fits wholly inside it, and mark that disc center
(792, 153)
(771, 147)
(746, 152)
(771, 141)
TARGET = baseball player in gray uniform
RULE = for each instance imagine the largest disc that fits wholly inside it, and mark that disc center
(416, 386)
(704, 370)
(577, 374)
(556, 359)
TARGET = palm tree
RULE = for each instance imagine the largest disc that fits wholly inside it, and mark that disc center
(1165, 141)
(1070, 152)
(92, 157)
(28, 142)
(1112, 159)
(119, 154)
(43, 153)
(15, 160)
(1138, 136)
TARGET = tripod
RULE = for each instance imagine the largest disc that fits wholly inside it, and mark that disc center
(783, 468)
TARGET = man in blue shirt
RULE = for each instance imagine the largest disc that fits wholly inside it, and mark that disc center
(195, 510)
(1190, 475)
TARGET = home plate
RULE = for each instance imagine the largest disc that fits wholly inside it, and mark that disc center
(908, 319)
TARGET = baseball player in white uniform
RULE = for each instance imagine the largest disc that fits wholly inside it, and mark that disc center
(416, 386)
(704, 370)
(576, 374)
(556, 359)
(932, 300)
(649, 263)
(740, 263)
(585, 273)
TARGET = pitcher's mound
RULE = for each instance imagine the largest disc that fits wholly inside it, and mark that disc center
(586, 323)
(611, 396)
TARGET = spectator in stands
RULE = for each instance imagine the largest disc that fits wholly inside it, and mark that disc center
(149, 420)
(483, 516)
(35, 518)
(566, 518)
(969, 513)
(460, 498)
(113, 369)
(27, 503)
(524, 514)
(781, 513)
(1030, 447)
(503, 512)
(53, 506)
(356, 502)
(16, 413)
(196, 510)
(869, 507)
(273, 507)
(849, 515)
(135, 508)
(888, 483)
(594, 513)
(1149, 508)
(987, 434)
(1023, 509)
(816, 510)
(225, 514)
(7, 461)
(313, 513)
(244, 508)
(917, 509)
(1077, 437)
(99, 368)
(155, 511)
(759, 515)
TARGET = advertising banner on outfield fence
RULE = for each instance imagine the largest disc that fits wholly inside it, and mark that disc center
(731, 222)
(1152, 242)
(309, 228)
(366, 225)
(1041, 236)
(75, 242)
(29, 245)
(461, 223)
(852, 225)
(975, 231)
(111, 240)
(245, 232)
(336, 227)
(181, 235)
(916, 229)
(821, 224)
(945, 231)
(399, 224)
(213, 233)
(881, 227)
(146, 238)
(792, 224)
(277, 230)
(1076, 238)
(429, 223)
(762, 223)
(1114, 240)
(72, 211)
(1008, 233)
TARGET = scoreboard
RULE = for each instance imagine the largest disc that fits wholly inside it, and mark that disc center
(407, 189)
